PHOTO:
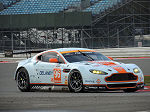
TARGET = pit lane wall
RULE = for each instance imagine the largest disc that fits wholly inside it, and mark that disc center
(45, 21)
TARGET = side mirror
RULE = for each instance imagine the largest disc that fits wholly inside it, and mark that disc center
(53, 60)
(110, 58)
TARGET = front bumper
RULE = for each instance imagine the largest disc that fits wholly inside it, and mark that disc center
(118, 86)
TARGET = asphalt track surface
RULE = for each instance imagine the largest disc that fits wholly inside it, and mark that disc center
(12, 100)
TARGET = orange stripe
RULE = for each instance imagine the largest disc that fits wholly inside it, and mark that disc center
(107, 63)
(50, 84)
(40, 83)
(119, 69)
(76, 51)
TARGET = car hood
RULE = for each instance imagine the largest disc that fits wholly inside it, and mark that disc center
(109, 65)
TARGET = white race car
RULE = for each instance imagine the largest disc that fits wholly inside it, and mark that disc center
(78, 68)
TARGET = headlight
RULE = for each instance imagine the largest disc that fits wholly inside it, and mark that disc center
(136, 70)
(98, 72)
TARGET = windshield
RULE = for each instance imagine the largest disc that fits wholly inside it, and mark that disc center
(84, 56)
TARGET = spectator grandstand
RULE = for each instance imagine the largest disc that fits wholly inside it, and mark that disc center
(38, 6)
(101, 6)
(8, 3)
(53, 6)
(73, 23)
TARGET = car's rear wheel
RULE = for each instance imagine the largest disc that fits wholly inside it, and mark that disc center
(129, 90)
(75, 82)
(23, 80)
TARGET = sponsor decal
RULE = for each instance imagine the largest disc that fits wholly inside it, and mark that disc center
(101, 87)
(98, 81)
(57, 75)
(92, 87)
(141, 79)
(96, 65)
(45, 72)
(66, 82)
(52, 79)
(89, 81)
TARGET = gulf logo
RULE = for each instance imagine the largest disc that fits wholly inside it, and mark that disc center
(98, 81)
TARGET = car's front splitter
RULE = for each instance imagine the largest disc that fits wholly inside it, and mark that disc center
(119, 86)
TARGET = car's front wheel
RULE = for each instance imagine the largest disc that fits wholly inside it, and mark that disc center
(23, 80)
(75, 82)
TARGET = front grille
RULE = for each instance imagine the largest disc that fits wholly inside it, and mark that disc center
(121, 77)
(121, 85)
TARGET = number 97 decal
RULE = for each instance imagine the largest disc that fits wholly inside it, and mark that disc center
(57, 75)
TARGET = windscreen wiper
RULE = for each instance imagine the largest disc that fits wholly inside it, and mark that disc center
(86, 55)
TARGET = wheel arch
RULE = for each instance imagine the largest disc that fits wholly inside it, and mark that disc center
(75, 69)
(81, 71)
(18, 70)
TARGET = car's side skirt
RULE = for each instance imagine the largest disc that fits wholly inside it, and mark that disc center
(47, 84)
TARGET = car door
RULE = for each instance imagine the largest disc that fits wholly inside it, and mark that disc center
(49, 73)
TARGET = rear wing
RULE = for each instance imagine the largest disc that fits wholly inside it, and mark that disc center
(10, 53)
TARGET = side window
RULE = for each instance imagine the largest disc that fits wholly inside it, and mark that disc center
(47, 56)
(39, 57)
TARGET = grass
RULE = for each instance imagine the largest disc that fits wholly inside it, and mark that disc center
(147, 80)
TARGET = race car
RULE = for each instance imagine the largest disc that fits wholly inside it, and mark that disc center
(79, 69)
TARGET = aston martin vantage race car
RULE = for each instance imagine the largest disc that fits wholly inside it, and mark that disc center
(79, 69)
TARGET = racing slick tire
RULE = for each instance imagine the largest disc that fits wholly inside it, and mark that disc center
(75, 82)
(22, 79)
(130, 90)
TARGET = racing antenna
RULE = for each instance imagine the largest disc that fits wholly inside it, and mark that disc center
(86, 55)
